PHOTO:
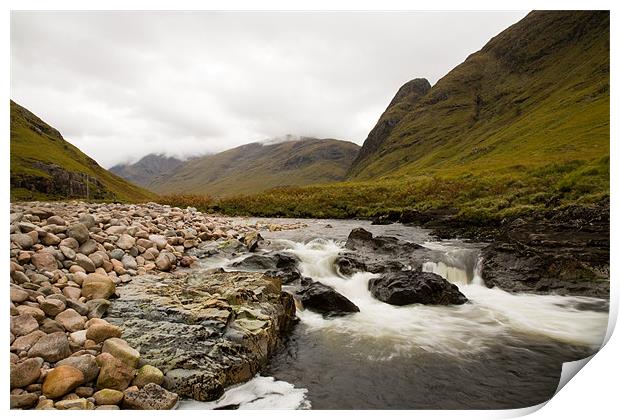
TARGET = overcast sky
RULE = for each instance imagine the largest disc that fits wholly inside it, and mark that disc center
(120, 85)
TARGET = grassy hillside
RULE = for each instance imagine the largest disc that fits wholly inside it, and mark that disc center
(257, 166)
(44, 166)
(536, 94)
(520, 128)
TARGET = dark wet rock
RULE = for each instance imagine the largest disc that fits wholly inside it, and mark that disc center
(381, 254)
(361, 240)
(286, 267)
(256, 262)
(285, 276)
(348, 265)
(323, 299)
(567, 254)
(203, 331)
(408, 287)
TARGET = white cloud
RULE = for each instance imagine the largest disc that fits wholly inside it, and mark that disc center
(120, 85)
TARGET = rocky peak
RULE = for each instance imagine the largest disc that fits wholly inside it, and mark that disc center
(411, 91)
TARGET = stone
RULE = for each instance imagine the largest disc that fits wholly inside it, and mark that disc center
(85, 363)
(148, 374)
(22, 240)
(37, 313)
(25, 342)
(97, 286)
(26, 372)
(25, 400)
(119, 348)
(78, 337)
(18, 295)
(79, 232)
(87, 220)
(86, 263)
(61, 380)
(50, 326)
(52, 307)
(52, 348)
(125, 241)
(77, 306)
(70, 320)
(165, 261)
(108, 397)
(84, 391)
(409, 287)
(113, 374)
(56, 220)
(23, 324)
(50, 239)
(70, 243)
(72, 293)
(88, 247)
(45, 404)
(117, 254)
(107, 407)
(97, 308)
(75, 404)
(159, 241)
(102, 331)
(151, 397)
(251, 240)
(129, 262)
(44, 261)
(325, 300)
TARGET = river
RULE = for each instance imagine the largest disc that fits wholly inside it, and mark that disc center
(499, 350)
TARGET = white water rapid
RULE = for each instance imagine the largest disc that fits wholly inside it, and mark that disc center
(455, 330)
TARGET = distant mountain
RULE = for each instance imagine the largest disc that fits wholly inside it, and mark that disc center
(44, 166)
(259, 166)
(536, 94)
(144, 171)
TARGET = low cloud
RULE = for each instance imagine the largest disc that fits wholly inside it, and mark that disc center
(120, 85)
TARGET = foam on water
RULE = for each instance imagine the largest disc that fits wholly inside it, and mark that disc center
(260, 393)
(460, 329)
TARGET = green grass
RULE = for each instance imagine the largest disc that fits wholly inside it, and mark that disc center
(476, 199)
(33, 142)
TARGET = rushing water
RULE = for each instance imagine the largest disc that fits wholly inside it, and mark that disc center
(500, 350)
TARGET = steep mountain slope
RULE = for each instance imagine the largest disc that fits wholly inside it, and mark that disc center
(537, 93)
(44, 166)
(259, 166)
(144, 171)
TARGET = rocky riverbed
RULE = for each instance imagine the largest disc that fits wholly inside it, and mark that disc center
(71, 263)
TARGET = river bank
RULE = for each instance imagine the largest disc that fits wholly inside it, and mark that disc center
(70, 261)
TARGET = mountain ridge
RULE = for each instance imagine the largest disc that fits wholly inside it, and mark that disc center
(45, 166)
(259, 166)
(147, 168)
(531, 82)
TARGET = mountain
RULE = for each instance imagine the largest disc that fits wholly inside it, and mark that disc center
(259, 166)
(44, 166)
(144, 171)
(536, 94)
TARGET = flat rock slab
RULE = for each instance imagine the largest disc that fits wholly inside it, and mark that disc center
(204, 331)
